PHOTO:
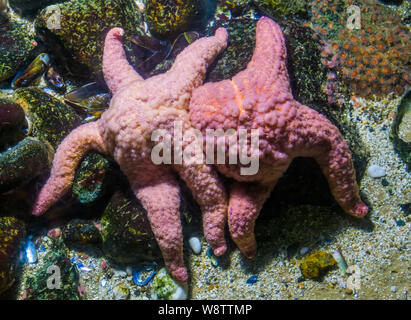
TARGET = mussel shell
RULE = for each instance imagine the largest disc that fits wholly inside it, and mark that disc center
(35, 69)
(54, 79)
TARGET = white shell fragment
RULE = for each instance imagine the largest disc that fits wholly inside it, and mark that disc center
(376, 171)
(195, 244)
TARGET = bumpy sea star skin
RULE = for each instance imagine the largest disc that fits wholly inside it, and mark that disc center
(139, 107)
(260, 98)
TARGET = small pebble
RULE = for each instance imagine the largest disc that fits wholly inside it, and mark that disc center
(376, 171)
(400, 223)
(303, 250)
(252, 280)
(393, 289)
(195, 244)
(384, 182)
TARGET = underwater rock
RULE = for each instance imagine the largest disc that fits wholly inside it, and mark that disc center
(314, 265)
(29, 5)
(195, 244)
(84, 24)
(12, 123)
(127, 235)
(91, 178)
(49, 119)
(283, 8)
(81, 231)
(240, 47)
(22, 163)
(307, 75)
(168, 18)
(12, 232)
(164, 287)
(41, 286)
(235, 7)
(376, 171)
(401, 128)
(16, 47)
(121, 292)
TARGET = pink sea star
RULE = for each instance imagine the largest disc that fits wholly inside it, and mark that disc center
(139, 107)
(260, 98)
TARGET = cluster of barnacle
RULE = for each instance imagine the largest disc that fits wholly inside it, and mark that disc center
(373, 59)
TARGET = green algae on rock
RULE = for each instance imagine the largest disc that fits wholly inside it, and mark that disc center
(16, 46)
(164, 287)
(12, 232)
(281, 8)
(29, 5)
(91, 178)
(12, 123)
(83, 25)
(49, 119)
(168, 18)
(127, 235)
(307, 75)
(22, 163)
(239, 50)
(81, 231)
(315, 264)
(40, 285)
(235, 7)
(401, 128)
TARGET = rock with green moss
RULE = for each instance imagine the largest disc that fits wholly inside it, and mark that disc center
(314, 265)
(164, 287)
(83, 25)
(168, 18)
(16, 47)
(12, 232)
(79, 231)
(235, 7)
(92, 178)
(283, 8)
(241, 43)
(127, 235)
(49, 119)
(307, 75)
(30, 5)
(22, 163)
(401, 128)
(12, 123)
(44, 284)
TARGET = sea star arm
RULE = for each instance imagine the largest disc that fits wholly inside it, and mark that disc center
(209, 193)
(246, 201)
(189, 68)
(324, 142)
(66, 159)
(161, 201)
(116, 69)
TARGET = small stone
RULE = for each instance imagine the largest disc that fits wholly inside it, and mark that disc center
(121, 292)
(195, 244)
(376, 171)
(303, 250)
(384, 182)
(393, 289)
(400, 223)
(165, 288)
(316, 264)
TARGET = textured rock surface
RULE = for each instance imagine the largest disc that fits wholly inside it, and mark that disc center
(84, 24)
(15, 49)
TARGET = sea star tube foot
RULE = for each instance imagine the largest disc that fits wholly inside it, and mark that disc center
(140, 108)
(260, 98)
